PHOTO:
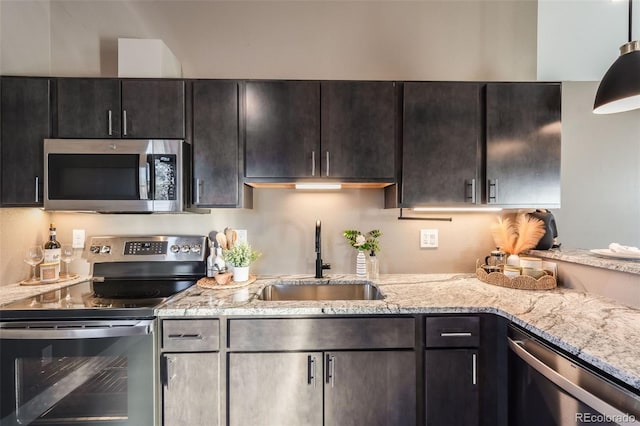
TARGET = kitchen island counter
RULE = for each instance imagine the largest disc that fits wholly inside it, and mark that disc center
(595, 329)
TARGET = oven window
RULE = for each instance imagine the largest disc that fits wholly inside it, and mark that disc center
(93, 176)
(78, 381)
(75, 389)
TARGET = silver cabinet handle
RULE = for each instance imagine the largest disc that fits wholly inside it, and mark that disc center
(455, 334)
(109, 114)
(331, 369)
(492, 191)
(37, 189)
(474, 369)
(311, 370)
(313, 163)
(327, 163)
(124, 122)
(198, 184)
(471, 186)
(185, 336)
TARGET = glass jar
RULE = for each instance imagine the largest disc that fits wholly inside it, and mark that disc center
(373, 268)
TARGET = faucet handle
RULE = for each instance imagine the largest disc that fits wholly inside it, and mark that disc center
(326, 266)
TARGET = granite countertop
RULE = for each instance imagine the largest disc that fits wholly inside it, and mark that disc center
(14, 292)
(586, 257)
(595, 329)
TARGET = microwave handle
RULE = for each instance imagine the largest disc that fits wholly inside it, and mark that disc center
(143, 177)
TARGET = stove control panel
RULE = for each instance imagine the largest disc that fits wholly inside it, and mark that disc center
(148, 248)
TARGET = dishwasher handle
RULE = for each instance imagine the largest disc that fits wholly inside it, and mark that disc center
(75, 330)
(567, 385)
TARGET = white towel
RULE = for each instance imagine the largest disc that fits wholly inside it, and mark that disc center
(618, 248)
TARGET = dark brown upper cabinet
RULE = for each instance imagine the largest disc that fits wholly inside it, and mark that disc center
(358, 129)
(342, 130)
(113, 108)
(523, 144)
(24, 124)
(442, 131)
(216, 158)
(88, 108)
(282, 129)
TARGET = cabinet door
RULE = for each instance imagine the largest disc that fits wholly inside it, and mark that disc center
(523, 144)
(215, 143)
(190, 394)
(451, 387)
(153, 109)
(282, 129)
(25, 123)
(358, 130)
(441, 144)
(275, 389)
(88, 108)
(370, 388)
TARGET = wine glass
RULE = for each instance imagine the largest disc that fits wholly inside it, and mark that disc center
(66, 255)
(33, 256)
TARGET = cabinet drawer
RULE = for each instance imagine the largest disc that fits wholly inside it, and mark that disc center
(321, 333)
(190, 335)
(452, 332)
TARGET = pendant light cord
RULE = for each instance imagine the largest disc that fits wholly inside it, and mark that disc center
(630, 18)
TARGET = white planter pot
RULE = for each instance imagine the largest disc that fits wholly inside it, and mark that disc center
(240, 273)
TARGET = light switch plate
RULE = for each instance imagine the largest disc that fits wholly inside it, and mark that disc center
(78, 238)
(428, 238)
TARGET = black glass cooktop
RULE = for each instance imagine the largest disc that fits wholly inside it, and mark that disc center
(79, 301)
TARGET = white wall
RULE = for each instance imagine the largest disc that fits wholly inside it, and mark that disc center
(579, 39)
(600, 172)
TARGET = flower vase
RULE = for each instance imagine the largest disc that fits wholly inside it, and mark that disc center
(361, 265)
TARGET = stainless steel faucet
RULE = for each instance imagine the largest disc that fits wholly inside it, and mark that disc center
(319, 265)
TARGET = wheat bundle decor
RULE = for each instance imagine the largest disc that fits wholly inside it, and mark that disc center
(517, 236)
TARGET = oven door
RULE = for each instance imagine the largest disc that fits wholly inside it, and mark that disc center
(77, 373)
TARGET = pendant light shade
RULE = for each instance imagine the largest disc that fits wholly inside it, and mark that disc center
(619, 89)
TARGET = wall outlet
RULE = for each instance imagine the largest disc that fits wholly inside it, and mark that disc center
(428, 238)
(78, 238)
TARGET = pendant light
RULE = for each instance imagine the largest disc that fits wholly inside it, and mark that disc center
(619, 89)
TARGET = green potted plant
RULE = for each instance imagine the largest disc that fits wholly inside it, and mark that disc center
(241, 256)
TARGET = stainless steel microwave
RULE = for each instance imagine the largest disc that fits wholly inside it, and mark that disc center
(116, 175)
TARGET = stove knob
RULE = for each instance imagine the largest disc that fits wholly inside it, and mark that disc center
(185, 248)
(196, 248)
(94, 249)
(105, 249)
(174, 248)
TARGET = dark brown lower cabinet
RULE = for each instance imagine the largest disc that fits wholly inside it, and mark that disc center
(190, 393)
(358, 388)
(451, 387)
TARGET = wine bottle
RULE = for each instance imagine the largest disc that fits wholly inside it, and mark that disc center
(52, 249)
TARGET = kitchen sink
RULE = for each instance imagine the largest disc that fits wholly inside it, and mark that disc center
(279, 292)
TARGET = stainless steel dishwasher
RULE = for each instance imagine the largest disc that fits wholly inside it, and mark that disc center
(549, 388)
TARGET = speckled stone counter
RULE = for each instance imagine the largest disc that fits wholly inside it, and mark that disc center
(586, 257)
(11, 293)
(595, 329)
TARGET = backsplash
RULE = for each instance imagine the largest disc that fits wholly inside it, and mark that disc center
(281, 226)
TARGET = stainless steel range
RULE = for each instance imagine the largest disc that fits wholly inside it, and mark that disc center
(84, 354)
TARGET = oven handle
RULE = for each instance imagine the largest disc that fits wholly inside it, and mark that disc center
(564, 383)
(76, 330)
